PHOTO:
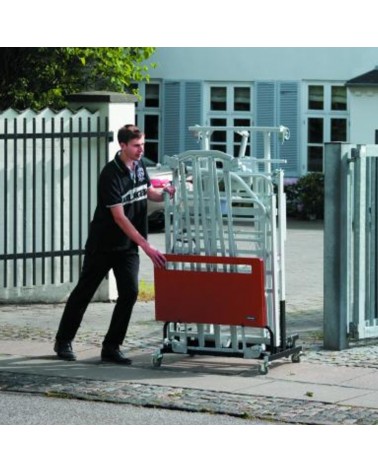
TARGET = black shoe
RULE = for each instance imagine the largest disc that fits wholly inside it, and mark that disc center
(113, 354)
(64, 350)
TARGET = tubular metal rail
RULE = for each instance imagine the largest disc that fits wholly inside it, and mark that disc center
(223, 289)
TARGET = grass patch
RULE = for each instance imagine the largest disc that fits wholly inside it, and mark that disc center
(146, 291)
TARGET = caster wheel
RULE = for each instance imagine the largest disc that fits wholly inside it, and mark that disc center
(157, 360)
(264, 368)
(296, 358)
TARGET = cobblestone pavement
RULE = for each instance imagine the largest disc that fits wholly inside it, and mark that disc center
(38, 323)
(22, 323)
(245, 406)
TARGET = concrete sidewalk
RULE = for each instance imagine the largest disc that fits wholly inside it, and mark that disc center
(326, 387)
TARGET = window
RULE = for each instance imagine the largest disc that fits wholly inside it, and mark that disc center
(327, 121)
(316, 97)
(315, 130)
(148, 118)
(339, 98)
(338, 129)
(151, 127)
(152, 98)
(218, 99)
(245, 123)
(229, 106)
(242, 99)
(218, 139)
(315, 141)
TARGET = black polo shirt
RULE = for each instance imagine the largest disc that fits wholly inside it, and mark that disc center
(117, 185)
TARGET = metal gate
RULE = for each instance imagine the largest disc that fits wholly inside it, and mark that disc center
(351, 244)
(49, 165)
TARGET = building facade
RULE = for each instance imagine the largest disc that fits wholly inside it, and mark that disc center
(304, 89)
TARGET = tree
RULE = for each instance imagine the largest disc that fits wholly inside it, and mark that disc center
(43, 77)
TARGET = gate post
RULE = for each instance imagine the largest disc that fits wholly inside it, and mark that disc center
(336, 246)
(119, 109)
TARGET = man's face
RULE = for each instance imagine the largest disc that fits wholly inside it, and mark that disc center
(134, 149)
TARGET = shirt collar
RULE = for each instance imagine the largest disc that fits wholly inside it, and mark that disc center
(121, 165)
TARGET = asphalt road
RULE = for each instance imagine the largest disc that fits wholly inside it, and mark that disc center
(27, 409)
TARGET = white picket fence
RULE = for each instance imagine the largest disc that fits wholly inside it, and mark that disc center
(49, 165)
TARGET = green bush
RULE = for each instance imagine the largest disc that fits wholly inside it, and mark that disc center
(305, 197)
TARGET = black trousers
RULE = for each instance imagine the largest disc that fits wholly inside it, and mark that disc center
(96, 265)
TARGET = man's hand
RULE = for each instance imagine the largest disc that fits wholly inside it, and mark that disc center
(128, 228)
(170, 189)
(156, 256)
(157, 194)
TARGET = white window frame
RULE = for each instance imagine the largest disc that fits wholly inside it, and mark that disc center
(327, 114)
(141, 111)
(229, 114)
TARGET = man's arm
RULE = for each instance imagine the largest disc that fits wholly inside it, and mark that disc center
(129, 229)
(157, 195)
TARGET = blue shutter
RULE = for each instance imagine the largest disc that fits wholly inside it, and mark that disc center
(289, 116)
(265, 104)
(277, 103)
(192, 113)
(265, 115)
(182, 107)
(171, 118)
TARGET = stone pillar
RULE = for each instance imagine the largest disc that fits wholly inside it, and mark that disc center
(119, 108)
(336, 288)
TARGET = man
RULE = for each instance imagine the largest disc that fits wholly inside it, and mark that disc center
(118, 228)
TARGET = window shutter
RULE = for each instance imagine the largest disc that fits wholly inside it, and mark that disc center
(182, 108)
(277, 103)
(289, 116)
(192, 113)
(265, 115)
(171, 117)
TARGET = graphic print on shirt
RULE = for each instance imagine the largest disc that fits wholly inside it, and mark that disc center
(140, 174)
(134, 195)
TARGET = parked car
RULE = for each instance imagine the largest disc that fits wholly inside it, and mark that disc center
(159, 176)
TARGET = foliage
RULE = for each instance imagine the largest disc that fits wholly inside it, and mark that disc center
(305, 198)
(43, 77)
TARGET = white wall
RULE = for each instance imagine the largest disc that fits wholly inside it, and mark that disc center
(250, 64)
(363, 114)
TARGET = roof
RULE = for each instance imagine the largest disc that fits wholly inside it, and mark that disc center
(369, 79)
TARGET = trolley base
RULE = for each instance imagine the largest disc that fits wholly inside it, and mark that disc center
(246, 347)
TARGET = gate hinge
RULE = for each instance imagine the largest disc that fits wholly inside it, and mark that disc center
(353, 330)
(355, 154)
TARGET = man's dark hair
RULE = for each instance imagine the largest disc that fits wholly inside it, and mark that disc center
(129, 132)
